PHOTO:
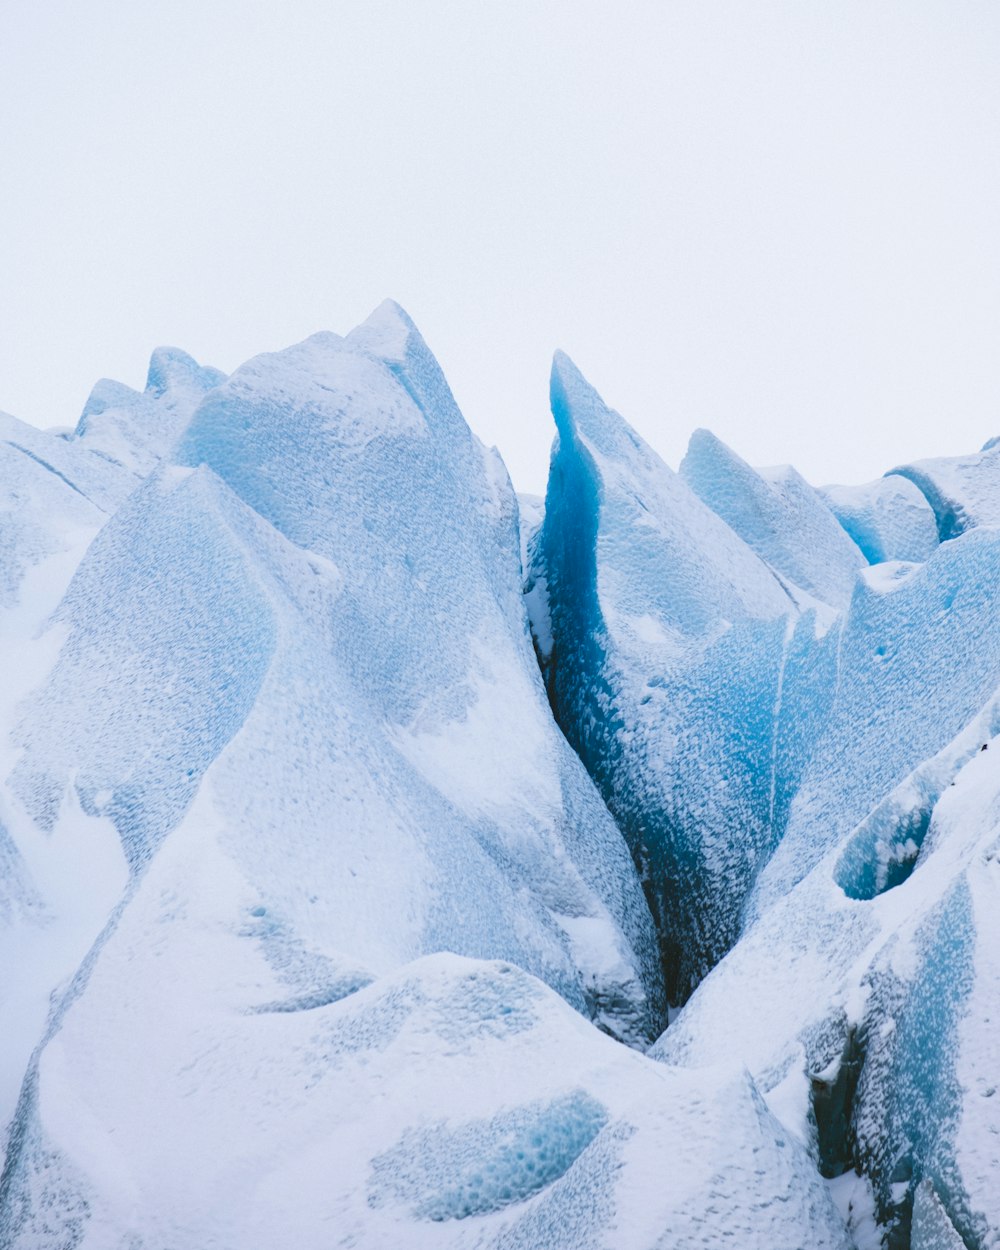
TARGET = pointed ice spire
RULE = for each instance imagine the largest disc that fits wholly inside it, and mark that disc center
(779, 515)
(170, 367)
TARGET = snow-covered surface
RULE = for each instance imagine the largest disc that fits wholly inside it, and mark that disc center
(315, 929)
(452, 1103)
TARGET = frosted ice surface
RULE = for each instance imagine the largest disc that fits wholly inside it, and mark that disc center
(932, 1229)
(963, 491)
(56, 490)
(168, 642)
(365, 460)
(779, 515)
(340, 673)
(280, 744)
(677, 670)
(889, 518)
(137, 429)
(919, 655)
(53, 499)
(453, 1103)
(446, 1174)
(881, 999)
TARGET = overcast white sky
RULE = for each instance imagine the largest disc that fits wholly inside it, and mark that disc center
(779, 220)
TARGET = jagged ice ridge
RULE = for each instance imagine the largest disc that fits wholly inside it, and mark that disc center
(386, 859)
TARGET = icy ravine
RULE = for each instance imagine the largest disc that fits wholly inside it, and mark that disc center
(668, 641)
(862, 984)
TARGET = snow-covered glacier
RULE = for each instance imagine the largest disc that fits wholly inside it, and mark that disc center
(390, 860)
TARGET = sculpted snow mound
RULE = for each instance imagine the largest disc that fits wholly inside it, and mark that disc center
(453, 1103)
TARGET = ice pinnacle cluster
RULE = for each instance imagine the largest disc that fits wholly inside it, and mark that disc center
(389, 861)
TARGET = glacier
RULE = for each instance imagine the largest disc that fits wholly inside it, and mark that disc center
(388, 858)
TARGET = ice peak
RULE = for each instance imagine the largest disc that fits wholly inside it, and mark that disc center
(389, 332)
(106, 393)
(171, 367)
(703, 439)
(580, 413)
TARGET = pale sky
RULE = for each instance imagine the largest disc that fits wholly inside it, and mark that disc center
(779, 220)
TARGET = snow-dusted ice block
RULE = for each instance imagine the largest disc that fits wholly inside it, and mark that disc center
(666, 642)
(42, 515)
(54, 496)
(169, 639)
(889, 518)
(931, 1228)
(919, 655)
(779, 515)
(346, 681)
(57, 489)
(872, 1030)
(454, 1103)
(137, 429)
(963, 491)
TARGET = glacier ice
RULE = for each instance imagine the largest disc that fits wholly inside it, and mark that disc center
(918, 656)
(962, 491)
(779, 515)
(343, 792)
(137, 429)
(671, 642)
(453, 1102)
(889, 519)
(873, 1022)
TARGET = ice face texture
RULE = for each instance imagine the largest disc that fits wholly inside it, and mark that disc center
(962, 491)
(778, 514)
(318, 622)
(889, 518)
(918, 656)
(313, 923)
(504, 1119)
(673, 656)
